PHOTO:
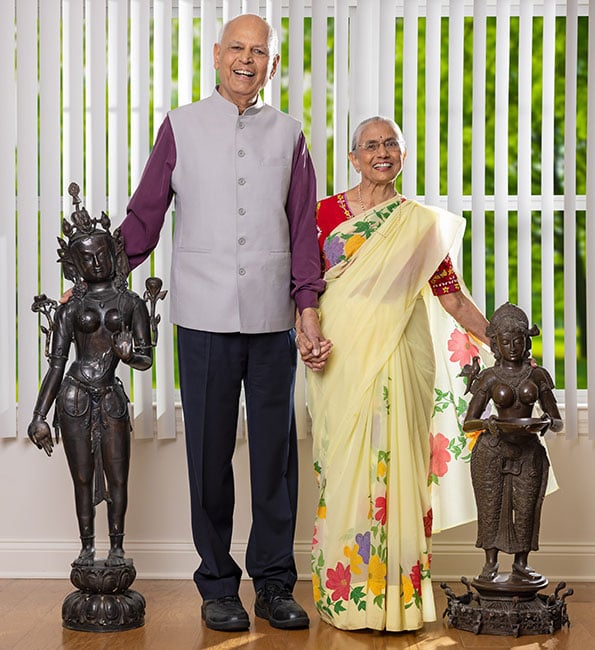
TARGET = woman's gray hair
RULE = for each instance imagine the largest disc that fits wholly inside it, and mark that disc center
(378, 118)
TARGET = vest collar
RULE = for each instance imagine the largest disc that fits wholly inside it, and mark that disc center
(230, 108)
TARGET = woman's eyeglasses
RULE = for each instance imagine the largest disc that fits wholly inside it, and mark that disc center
(373, 145)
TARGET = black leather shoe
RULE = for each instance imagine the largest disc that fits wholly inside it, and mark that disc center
(225, 614)
(276, 604)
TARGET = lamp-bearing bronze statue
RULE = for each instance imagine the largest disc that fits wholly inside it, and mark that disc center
(509, 472)
(108, 324)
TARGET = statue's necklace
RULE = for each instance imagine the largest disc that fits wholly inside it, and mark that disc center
(514, 376)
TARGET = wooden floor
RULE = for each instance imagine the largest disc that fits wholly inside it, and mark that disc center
(30, 619)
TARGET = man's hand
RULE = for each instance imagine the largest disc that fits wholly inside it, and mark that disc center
(314, 348)
(66, 296)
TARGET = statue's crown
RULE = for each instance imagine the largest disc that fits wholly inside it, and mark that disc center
(81, 223)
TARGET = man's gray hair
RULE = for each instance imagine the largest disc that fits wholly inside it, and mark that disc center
(272, 40)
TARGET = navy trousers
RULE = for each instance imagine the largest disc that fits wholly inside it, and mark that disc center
(212, 369)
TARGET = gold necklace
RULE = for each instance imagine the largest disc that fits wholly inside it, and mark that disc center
(361, 201)
(359, 194)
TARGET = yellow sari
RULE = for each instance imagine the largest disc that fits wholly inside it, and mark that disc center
(371, 411)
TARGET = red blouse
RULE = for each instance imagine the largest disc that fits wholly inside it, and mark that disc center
(332, 211)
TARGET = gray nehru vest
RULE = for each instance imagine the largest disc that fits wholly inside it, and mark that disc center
(231, 261)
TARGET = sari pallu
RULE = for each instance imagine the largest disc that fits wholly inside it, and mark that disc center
(371, 409)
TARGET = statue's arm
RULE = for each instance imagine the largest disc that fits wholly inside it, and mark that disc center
(547, 399)
(133, 344)
(39, 430)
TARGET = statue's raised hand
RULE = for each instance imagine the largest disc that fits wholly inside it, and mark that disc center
(122, 344)
(40, 434)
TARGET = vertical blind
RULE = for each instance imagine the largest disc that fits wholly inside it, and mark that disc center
(86, 84)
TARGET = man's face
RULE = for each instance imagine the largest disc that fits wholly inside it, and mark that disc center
(243, 60)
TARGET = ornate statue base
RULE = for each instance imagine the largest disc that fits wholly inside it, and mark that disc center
(507, 605)
(103, 602)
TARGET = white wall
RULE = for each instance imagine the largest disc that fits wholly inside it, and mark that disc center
(38, 534)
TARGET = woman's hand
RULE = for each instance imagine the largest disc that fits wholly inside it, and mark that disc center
(40, 434)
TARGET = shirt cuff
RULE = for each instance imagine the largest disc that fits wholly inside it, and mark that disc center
(306, 298)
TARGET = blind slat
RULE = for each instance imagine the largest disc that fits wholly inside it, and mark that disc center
(455, 106)
(8, 338)
(208, 37)
(547, 188)
(478, 207)
(272, 91)
(164, 371)
(296, 60)
(432, 126)
(72, 98)
(409, 110)
(341, 96)
(96, 123)
(50, 191)
(501, 152)
(570, 314)
(524, 254)
(590, 220)
(28, 209)
(185, 51)
(318, 128)
(386, 52)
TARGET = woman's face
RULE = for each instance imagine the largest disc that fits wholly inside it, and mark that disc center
(377, 162)
(94, 258)
(512, 345)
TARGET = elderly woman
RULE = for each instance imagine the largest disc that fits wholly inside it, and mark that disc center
(372, 399)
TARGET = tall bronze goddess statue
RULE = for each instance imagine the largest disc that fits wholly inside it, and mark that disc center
(107, 324)
(509, 465)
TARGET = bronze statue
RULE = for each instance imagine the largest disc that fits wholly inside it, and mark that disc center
(509, 471)
(509, 465)
(107, 324)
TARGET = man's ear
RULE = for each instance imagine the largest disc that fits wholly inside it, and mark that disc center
(216, 53)
(274, 65)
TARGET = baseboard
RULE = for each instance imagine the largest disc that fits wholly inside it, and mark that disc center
(176, 560)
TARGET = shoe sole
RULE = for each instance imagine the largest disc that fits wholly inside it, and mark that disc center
(293, 624)
(227, 627)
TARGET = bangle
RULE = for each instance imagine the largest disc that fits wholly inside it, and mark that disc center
(41, 415)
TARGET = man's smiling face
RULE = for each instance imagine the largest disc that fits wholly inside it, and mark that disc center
(244, 60)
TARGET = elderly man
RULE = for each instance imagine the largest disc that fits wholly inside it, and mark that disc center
(244, 255)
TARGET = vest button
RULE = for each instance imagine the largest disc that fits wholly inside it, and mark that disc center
(241, 181)
(242, 271)
(241, 241)
(242, 211)
(241, 125)
(241, 153)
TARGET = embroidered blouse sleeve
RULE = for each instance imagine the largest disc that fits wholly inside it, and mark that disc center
(445, 279)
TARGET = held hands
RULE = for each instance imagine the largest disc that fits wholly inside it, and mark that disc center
(40, 434)
(314, 348)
